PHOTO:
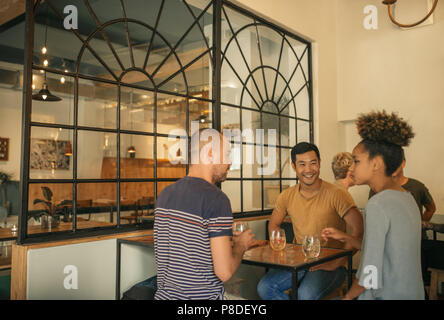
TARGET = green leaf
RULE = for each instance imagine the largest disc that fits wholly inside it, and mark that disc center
(36, 201)
(47, 193)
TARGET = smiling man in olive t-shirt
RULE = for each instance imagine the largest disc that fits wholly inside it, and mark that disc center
(312, 205)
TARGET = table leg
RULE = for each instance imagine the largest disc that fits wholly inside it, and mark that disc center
(295, 285)
(350, 269)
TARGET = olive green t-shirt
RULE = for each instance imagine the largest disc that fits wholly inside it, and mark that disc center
(310, 216)
(420, 193)
(418, 190)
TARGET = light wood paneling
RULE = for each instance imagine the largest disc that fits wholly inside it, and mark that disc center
(10, 9)
(18, 272)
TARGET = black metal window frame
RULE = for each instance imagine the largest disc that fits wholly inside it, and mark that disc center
(216, 60)
(258, 21)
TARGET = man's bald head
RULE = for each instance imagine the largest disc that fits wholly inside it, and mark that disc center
(202, 141)
(211, 150)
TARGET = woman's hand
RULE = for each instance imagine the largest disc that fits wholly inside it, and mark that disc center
(333, 233)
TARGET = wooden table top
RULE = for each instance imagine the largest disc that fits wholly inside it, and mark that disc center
(146, 240)
(6, 234)
(291, 257)
(113, 202)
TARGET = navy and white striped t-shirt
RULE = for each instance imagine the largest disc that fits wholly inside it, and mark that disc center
(188, 213)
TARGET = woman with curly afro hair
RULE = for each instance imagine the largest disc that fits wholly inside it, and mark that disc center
(390, 266)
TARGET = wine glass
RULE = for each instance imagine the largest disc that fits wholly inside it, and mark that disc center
(278, 239)
(311, 246)
(239, 227)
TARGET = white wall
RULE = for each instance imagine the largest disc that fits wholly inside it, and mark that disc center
(96, 269)
(10, 120)
(398, 70)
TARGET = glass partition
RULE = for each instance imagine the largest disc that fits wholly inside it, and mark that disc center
(265, 92)
(107, 95)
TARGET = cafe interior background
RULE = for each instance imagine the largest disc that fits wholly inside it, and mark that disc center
(306, 68)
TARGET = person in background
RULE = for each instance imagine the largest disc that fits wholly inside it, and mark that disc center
(194, 248)
(340, 165)
(437, 227)
(312, 205)
(419, 191)
(390, 266)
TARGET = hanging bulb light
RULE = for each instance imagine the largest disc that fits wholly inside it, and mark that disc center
(131, 150)
(62, 80)
(68, 149)
(44, 48)
(68, 146)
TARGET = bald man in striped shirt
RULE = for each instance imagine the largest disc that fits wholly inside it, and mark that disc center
(194, 245)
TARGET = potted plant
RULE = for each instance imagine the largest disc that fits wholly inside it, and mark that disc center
(5, 205)
(50, 216)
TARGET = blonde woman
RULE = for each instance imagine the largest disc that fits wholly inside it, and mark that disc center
(341, 169)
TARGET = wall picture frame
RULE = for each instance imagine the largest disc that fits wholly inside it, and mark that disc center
(48, 154)
(4, 149)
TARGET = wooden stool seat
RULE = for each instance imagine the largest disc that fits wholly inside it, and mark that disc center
(437, 276)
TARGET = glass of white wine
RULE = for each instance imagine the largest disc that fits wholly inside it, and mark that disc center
(239, 227)
(311, 246)
(278, 239)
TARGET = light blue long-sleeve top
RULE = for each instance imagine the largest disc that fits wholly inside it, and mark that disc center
(390, 266)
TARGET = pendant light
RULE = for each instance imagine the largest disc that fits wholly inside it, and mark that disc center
(44, 94)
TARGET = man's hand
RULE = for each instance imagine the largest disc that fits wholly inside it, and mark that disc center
(227, 253)
(243, 241)
(333, 233)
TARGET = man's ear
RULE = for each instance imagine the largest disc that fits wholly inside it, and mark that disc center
(397, 171)
(293, 165)
(206, 155)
